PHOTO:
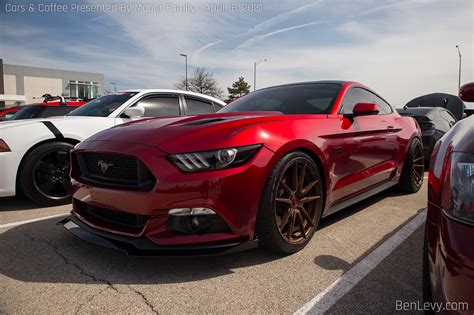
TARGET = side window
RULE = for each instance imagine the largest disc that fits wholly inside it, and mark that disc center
(159, 106)
(198, 107)
(359, 95)
(217, 106)
(352, 97)
(384, 107)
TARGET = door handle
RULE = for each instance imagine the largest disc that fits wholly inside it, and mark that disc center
(390, 128)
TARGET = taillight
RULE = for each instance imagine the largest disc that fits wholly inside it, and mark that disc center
(458, 187)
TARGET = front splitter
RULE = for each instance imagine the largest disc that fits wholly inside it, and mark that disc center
(144, 247)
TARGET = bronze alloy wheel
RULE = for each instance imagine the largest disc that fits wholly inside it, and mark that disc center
(298, 200)
(418, 167)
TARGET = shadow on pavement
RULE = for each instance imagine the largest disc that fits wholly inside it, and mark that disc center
(18, 203)
(45, 252)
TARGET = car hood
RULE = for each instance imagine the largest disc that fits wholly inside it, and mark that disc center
(196, 133)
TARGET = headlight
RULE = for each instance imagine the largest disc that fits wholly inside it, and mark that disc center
(458, 187)
(3, 146)
(214, 160)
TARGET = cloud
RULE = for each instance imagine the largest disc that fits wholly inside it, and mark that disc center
(255, 39)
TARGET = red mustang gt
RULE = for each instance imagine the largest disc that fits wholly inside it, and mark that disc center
(264, 170)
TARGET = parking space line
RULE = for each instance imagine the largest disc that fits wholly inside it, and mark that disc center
(322, 302)
(32, 220)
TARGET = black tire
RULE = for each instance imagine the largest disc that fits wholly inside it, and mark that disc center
(427, 293)
(44, 174)
(412, 175)
(288, 217)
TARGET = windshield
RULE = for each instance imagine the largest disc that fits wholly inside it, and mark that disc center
(102, 106)
(308, 98)
(27, 112)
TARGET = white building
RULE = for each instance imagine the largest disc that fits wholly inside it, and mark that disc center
(22, 84)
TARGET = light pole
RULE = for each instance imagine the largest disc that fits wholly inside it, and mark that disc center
(255, 72)
(459, 80)
(115, 87)
(186, 69)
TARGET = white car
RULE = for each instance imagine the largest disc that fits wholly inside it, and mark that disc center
(34, 153)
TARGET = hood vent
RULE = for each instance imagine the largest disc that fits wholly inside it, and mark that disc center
(203, 121)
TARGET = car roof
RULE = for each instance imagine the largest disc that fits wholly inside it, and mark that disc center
(172, 91)
(55, 104)
(340, 82)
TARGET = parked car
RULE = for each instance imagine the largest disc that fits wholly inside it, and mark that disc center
(450, 102)
(434, 123)
(34, 155)
(6, 113)
(448, 258)
(267, 166)
(45, 110)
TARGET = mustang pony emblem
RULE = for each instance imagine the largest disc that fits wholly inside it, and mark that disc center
(104, 166)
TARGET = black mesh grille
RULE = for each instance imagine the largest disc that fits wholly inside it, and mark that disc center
(108, 217)
(115, 169)
(113, 166)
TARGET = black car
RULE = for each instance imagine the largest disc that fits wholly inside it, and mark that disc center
(448, 101)
(434, 123)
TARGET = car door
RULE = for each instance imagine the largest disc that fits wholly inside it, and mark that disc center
(156, 105)
(369, 149)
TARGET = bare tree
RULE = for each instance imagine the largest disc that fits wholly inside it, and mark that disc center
(201, 81)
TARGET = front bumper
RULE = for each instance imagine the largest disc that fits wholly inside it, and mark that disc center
(9, 163)
(143, 246)
(233, 194)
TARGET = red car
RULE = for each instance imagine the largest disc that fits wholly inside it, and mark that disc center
(448, 252)
(264, 169)
(46, 109)
(6, 113)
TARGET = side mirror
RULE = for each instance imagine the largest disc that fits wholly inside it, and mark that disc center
(364, 109)
(466, 92)
(134, 112)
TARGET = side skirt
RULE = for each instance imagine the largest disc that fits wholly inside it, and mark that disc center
(362, 196)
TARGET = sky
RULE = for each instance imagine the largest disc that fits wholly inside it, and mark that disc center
(400, 48)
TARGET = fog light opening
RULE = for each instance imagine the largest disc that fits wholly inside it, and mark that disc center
(191, 211)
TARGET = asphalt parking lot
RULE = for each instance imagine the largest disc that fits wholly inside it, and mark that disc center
(45, 269)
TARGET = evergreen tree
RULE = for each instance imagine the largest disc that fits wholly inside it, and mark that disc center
(239, 88)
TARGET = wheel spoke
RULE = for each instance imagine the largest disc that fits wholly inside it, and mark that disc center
(308, 199)
(284, 200)
(418, 158)
(305, 190)
(301, 178)
(295, 177)
(301, 225)
(284, 221)
(44, 167)
(418, 165)
(65, 185)
(306, 215)
(48, 186)
(285, 186)
(418, 177)
(292, 225)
